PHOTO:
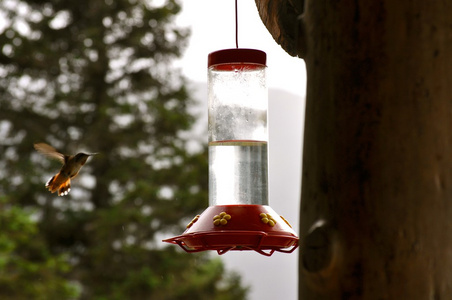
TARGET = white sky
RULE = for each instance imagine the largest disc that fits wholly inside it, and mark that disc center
(213, 28)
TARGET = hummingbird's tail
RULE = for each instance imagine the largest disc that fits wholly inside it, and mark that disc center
(60, 183)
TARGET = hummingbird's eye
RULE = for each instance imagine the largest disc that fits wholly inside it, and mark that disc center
(80, 156)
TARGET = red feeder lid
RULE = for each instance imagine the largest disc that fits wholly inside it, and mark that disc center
(237, 56)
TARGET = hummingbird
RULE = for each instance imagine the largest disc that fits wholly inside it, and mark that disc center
(72, 164)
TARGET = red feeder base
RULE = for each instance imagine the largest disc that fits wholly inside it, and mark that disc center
(238, 227)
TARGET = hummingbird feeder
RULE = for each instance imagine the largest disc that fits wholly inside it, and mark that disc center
(238, 216)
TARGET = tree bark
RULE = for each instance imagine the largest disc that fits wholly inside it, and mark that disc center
(376, 207)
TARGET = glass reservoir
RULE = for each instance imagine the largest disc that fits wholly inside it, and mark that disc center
(237, 127)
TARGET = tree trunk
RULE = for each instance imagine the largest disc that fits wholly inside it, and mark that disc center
(376, 207)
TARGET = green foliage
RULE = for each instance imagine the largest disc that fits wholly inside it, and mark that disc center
(96, 76)
(27, 269)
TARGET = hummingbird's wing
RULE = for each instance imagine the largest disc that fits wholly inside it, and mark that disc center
(49, 151)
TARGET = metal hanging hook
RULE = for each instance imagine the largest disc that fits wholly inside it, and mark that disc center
(236, 26)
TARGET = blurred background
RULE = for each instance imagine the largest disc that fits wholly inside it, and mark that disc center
(127, 79)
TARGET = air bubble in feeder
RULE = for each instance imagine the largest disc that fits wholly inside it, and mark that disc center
(238, 216)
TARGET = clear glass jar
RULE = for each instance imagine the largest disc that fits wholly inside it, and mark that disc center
(238, 138)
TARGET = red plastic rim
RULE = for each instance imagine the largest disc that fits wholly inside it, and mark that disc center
(237, 56)
(238, 227)
(207, 241)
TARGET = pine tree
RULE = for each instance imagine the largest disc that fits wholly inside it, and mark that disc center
(96, 76)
